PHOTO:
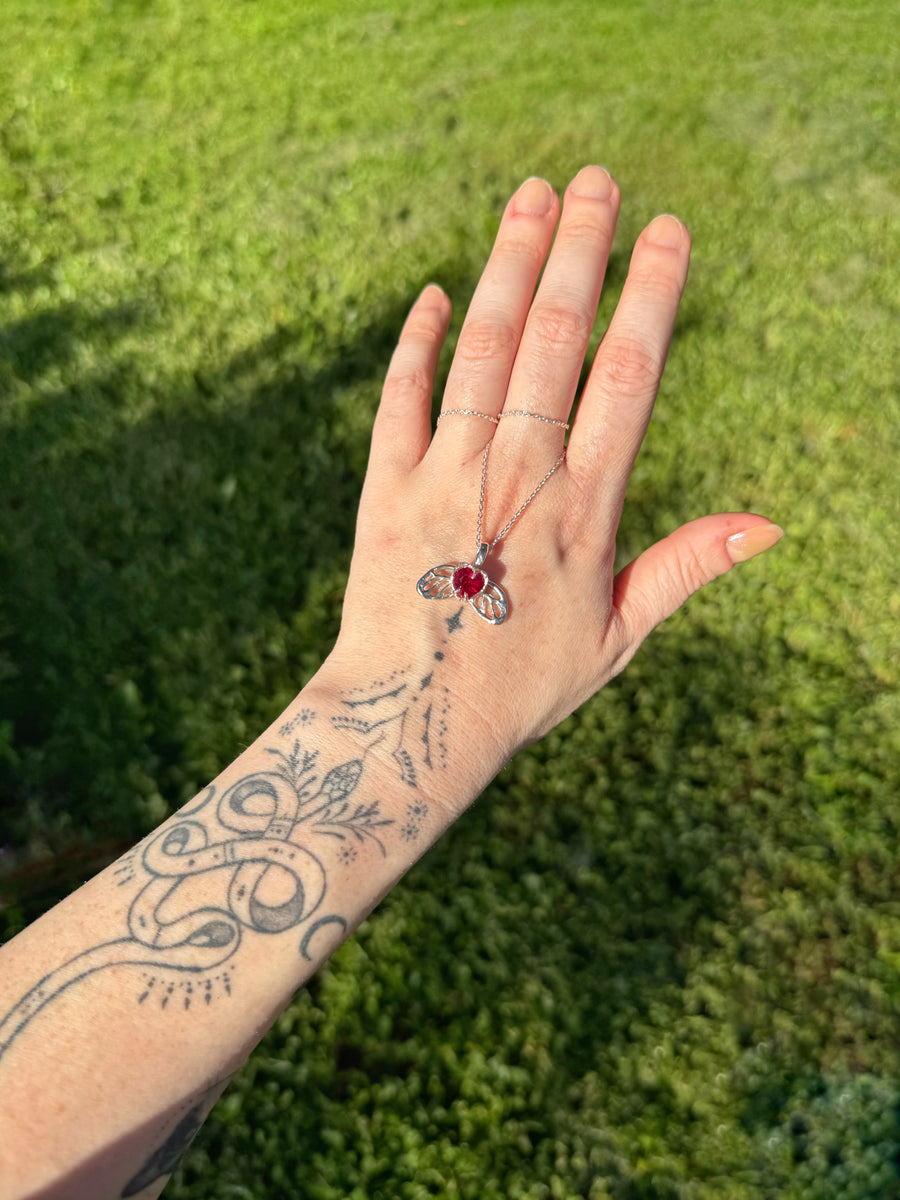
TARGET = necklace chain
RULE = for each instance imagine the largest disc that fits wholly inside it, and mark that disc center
(468, 581)
(509, 524)
(495, 420)
(509, 412)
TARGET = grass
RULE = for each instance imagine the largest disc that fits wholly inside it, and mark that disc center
(661, 957)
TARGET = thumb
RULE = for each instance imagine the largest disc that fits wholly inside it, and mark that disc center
(659, 581)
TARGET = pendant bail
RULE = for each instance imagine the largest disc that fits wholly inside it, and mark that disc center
(481, 555)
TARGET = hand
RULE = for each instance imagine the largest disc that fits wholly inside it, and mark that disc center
(572, 624)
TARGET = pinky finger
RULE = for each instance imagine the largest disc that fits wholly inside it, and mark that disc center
(402, 429)
(659, 581)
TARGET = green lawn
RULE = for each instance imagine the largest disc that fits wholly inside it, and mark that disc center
(661, 957)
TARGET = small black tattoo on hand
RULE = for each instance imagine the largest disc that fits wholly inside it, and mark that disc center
(415, 815)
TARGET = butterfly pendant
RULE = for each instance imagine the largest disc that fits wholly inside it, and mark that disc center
(466, 581)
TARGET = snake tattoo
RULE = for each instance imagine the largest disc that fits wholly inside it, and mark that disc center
(254, 859)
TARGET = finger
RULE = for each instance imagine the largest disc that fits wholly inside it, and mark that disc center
(402, 429)
(659, 581)
(489, 338)
(551, 355)
(618, 399)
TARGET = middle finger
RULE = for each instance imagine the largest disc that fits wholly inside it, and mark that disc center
(551, 354)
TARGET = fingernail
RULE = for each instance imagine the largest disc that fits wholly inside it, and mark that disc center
(751, 542)
(593, 182)
(535, 197)
(665, 231)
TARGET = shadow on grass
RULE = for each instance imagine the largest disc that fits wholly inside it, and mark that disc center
(53, 336)
(162, 577)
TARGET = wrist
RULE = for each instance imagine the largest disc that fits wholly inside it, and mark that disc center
(415, 713)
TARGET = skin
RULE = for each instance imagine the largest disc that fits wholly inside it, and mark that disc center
(573, 624)
(134, 1000)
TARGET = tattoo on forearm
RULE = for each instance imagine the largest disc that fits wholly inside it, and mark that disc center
(165, 1159)
(255, 859)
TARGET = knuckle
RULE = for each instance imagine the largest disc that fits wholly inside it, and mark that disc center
(686, 572)
(630, 367)
(404, 386)
(487, 337)
(513, 246)
(586, 225)
(424, 326)
(655, 280)
(561, 330)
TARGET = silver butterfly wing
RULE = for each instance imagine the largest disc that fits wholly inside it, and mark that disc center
(491, 603)
(437, 584)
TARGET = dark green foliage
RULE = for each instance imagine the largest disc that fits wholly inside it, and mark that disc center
(661, 957)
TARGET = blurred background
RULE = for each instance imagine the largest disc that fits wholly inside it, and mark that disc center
(660, 958)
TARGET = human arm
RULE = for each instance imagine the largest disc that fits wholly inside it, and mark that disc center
(128, 1005)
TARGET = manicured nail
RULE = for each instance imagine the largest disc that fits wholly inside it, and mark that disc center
(665, 231)
(535, 197)
(751, 542)
(593, 182)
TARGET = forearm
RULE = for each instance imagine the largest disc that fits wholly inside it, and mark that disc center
(127, 1007)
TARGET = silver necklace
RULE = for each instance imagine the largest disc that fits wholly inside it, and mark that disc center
(467, 581)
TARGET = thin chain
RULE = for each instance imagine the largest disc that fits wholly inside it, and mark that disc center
(510, 412)
(468, 412)
(509, 524)
(521, 412)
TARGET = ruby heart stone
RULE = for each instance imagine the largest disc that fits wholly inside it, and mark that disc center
(468, 583)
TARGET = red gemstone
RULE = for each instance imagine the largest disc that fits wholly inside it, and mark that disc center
(467, 583)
